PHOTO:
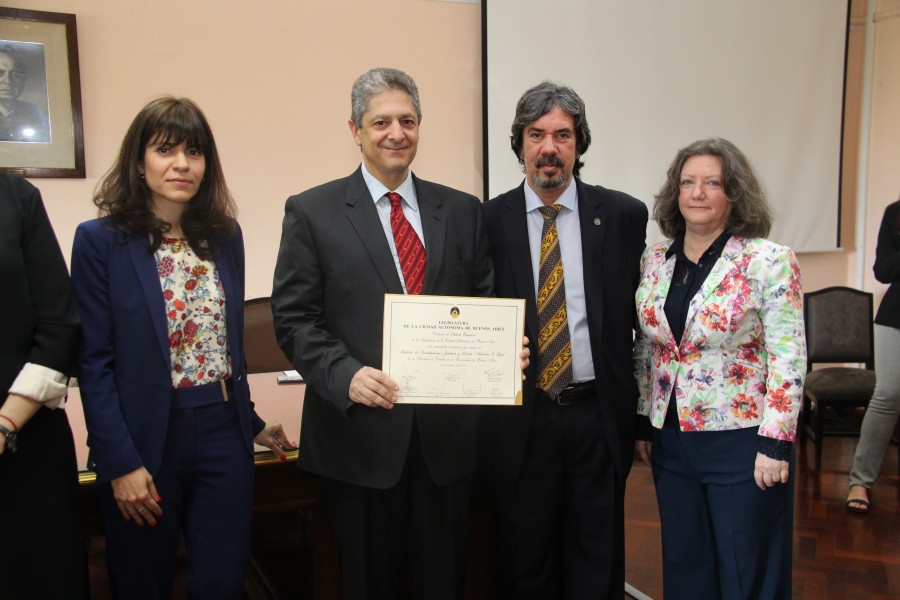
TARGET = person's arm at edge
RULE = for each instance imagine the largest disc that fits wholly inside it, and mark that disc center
(42, 380)
(112, 447)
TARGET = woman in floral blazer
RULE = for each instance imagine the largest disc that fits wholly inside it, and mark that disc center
(720, 361)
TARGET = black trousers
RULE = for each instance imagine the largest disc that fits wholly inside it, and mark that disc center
(410, 538)
(42, 554)
(562, 524)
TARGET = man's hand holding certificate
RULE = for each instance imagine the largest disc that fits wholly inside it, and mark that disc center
(454, 350)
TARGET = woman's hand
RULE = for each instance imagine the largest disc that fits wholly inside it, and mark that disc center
(769, 471)
(642, 451)
(273, 437)
(137, 497)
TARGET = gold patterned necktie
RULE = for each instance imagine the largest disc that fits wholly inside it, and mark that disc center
(409, 247)
(554, 344)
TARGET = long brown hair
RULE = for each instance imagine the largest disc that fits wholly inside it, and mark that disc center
(125, 197)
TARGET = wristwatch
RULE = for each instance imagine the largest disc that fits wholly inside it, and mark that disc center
(9, 438)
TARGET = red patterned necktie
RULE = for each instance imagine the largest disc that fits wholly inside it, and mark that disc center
(409, 247)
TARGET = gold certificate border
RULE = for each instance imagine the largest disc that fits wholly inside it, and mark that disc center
(511, 387)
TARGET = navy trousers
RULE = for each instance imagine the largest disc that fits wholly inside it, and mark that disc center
(723, 537)
(206, 484)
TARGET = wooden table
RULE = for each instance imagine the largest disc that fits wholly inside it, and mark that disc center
(279, 487)
(274, 402)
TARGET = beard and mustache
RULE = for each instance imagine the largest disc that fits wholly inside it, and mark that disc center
(550, 183)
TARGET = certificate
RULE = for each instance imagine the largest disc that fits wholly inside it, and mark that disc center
(454, 350)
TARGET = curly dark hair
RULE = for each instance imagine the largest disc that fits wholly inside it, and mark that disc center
(751, 216)
(125, 197)
(537, 102)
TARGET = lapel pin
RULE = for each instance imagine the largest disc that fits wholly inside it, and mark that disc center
(597, 221)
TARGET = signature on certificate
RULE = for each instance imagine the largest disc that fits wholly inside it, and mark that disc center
(494, 375)
(453, 375)
(472, 391)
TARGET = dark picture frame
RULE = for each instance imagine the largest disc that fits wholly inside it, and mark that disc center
(41, 129)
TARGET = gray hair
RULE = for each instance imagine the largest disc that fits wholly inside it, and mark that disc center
(376, 81)
(537, 102)
(751, 215)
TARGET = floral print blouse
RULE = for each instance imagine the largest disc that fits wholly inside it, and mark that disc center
(195, 313)
(742, 357)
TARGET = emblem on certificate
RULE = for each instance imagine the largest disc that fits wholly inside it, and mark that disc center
(454, 349)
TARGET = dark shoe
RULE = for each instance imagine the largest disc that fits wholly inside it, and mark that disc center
(858, 506)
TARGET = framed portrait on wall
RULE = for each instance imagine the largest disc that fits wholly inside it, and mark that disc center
(41, 133)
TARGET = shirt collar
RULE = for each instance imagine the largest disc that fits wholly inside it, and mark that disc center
(715, 249)
(568, 199)
(378, 190)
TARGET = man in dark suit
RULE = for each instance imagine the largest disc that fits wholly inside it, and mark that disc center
(559, 462)
(397, 478)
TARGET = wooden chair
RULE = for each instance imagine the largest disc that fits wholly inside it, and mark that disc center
(838, 330)
(296, 498)
(263, 353)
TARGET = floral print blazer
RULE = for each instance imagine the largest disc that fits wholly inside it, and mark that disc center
(742, 358)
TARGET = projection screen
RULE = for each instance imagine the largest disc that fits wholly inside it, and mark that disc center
(658, 74)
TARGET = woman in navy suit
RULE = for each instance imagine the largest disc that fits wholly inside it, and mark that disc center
(159, 284)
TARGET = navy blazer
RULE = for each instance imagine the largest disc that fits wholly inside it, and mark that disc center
(125, 365)
(613, 230)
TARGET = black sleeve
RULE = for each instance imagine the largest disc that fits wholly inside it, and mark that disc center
(775, 449)
(887, 252)
(55, 321)
(643, 429)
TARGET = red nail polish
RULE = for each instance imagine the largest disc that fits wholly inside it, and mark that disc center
(159, 498)
(283, 458)
(153, 524)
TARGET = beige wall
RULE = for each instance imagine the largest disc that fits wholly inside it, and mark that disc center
(274, 79)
